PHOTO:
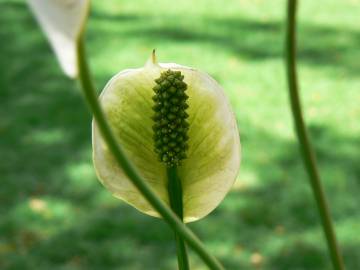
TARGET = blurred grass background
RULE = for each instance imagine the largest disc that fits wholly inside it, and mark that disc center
(54, 214)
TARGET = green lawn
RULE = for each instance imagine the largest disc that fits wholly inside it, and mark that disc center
(54, 214)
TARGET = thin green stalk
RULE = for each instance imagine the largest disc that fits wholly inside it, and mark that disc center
(305, 145)
(129, 169)
(176, 204)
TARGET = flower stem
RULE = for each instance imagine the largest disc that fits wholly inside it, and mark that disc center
(304, 140)
(129, 169)
(176, 204)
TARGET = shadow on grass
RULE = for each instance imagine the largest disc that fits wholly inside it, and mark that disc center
(319, 46)
(51, 218)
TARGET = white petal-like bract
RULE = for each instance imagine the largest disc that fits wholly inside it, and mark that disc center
(62, 21)
(210, 169)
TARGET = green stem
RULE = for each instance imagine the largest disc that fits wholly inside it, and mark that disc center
(176, 204)
(305, 145)
(129, 169)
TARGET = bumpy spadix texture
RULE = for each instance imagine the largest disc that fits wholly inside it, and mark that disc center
(213, 154)
(62, 21)
(170, 127)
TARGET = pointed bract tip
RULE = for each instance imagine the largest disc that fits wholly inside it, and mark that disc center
(152, 61)
(153, 56)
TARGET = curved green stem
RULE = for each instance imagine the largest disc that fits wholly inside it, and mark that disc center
(129, 169)
(305, 145)
(176, 204)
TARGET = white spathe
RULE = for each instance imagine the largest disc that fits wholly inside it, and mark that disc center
(214, 146)
(63, 22)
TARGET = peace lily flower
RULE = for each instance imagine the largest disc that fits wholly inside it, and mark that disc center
(63, 22)
(204, 145)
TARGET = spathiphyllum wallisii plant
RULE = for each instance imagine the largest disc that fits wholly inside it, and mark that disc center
(165, 139)
(176, 125)
(174, 122)
(164, 136)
